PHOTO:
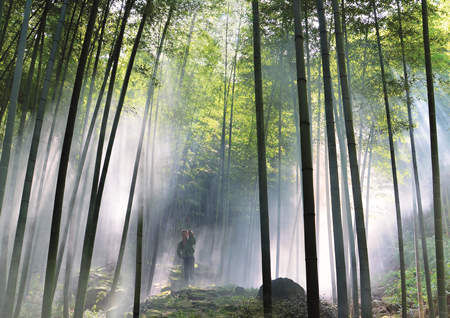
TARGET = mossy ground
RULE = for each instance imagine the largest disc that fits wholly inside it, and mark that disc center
(181, 301)
(221, 302)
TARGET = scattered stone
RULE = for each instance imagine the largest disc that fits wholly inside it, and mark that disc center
(285, 288)
(96, 297)
(381, 308)
(240, 291)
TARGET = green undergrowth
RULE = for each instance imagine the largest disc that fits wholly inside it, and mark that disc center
(176, 300)
(227, 301)
(391, 281)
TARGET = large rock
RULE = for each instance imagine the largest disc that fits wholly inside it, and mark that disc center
(285, 288)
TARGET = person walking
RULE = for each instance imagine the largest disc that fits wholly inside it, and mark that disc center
(185, 250)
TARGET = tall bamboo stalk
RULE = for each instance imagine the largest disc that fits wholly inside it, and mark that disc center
(369, 169)
(147, 111)
(262, 173)
(438, 236)
(417, 256)
(63, 165)
(414, 166)
(393, 166)
(81, 162)
(366, 297)
(26, 193)
(228, 167)
(138, 263)
(221, 174)
(278, 252)
(9, 130)
(318, 169)
(18, 146)
(349, 234)
(333, 169)
(312, 279)
(92, 221)
(330, 237)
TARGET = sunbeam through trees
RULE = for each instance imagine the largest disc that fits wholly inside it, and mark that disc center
(224, 158)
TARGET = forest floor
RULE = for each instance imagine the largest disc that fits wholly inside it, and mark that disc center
(223, 302)
(181, 301)
(201, 300)
(206, 300)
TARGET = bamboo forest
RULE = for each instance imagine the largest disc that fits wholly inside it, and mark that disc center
(224, 158)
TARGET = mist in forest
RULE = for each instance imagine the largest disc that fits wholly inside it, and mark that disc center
(198, 168)
(240, 260)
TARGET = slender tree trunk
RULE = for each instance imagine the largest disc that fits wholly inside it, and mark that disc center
(75, 188)
(221, 177)
(23, 212)
(366, 297)
(117, 116)
(5, 55)
(438, 236)
(368, 191)
(351, 249)
(415, 169)
(230, 134)
(55, 110)
(60, 90)
(333, 169)
(138, 271)
(82, 131)
(26, 106)
(186, 52)
(293, 235)
(2, 3)
(38, 86)
(66, 295)
(360, 138)
(308, 79)
(350, 254)
(95, 67)
(145, 172)
(160, 220)
(25, 275)
(312, 279)
(417, 257)
(297, 135)
(60, 64)
(18, 147)
(72, 247)
(364, 163)
(25, 268)
(62, 172)
(147, 111)
(251, 221)
(394, 169)
(277, 272)
(330, 238)
(318, 168)
(92, 221)
(262, 173)
(30, 250)
(5, 25)
(9, 130)
(28, 86)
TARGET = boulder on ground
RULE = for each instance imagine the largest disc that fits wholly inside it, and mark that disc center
(285, 288)
(240, 291)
